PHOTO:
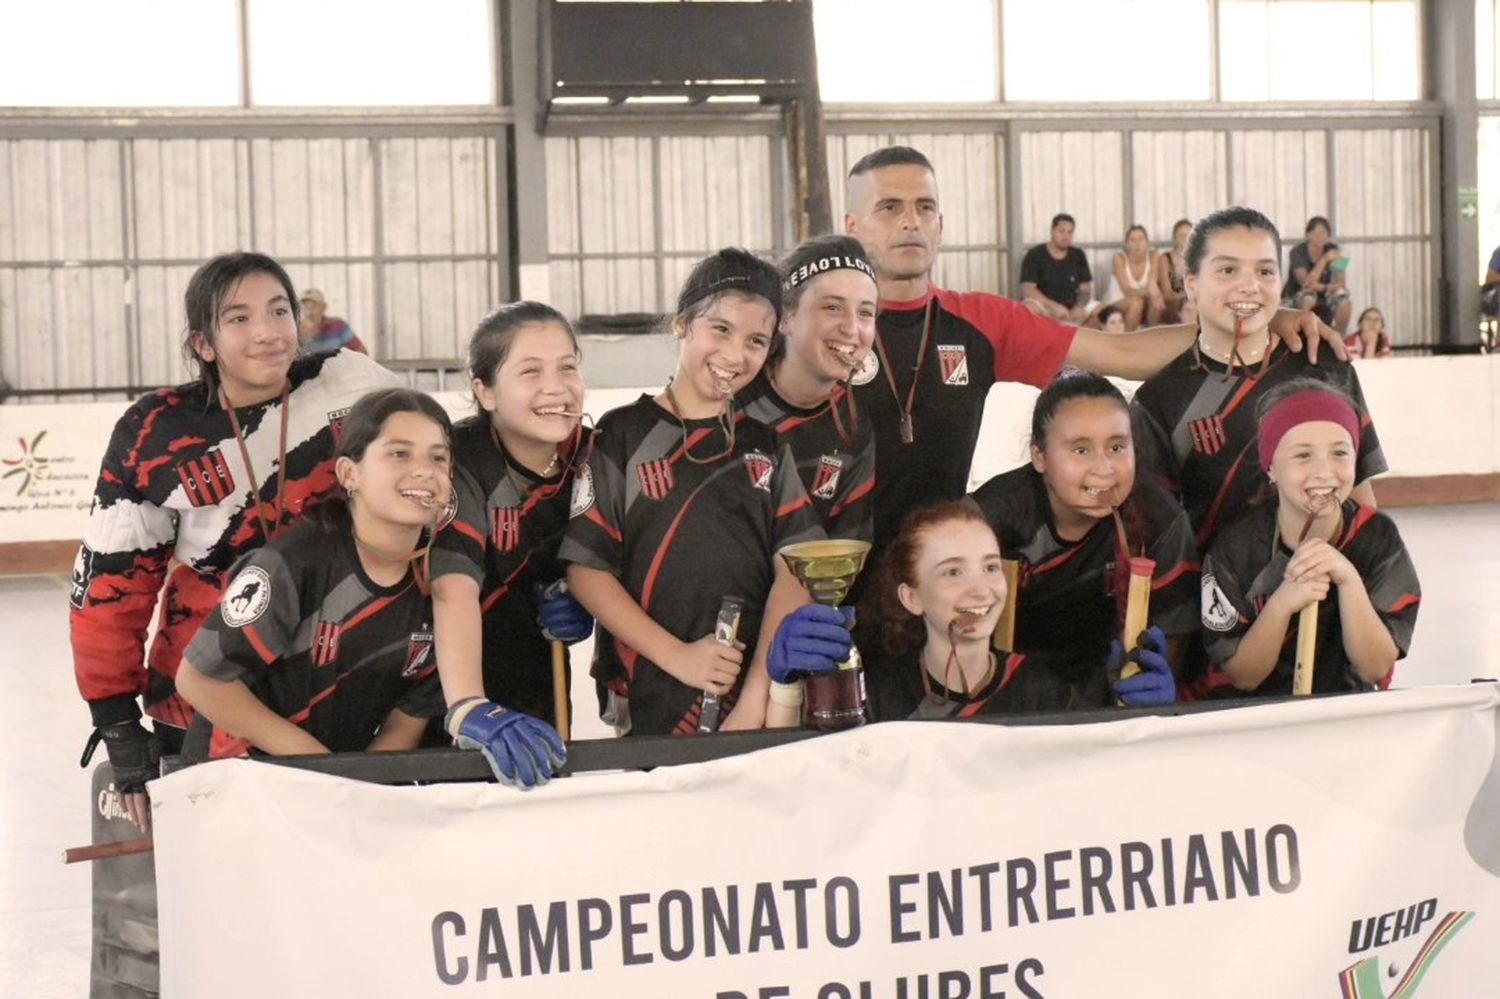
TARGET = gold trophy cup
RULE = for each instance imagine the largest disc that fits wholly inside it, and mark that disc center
(835, 700)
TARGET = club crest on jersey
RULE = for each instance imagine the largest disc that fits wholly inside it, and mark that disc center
(1217, 611)
(954, 361)
(505, 527)
(583, 492)
(336, 424)
(868, 368)
(83, 571)
(325, 647)
(206, 480)
(760, 467)
(655, 477)
(826, 481)
(247, 598)
(1208, 434)
(418, 651)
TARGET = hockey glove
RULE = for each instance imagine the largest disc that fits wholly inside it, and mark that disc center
(134, 755)
(562, 619)
(811, 639)
(1154, 685)
(521, 750)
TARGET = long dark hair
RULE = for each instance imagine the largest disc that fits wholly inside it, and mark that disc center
(898, 631)
(205, 297)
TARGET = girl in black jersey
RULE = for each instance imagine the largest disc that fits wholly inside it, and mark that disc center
(683, 503)
(829, 299)
(323, 640)
(514, 467)
(1195, 419)
(931, 610)
(1073, 518)
(1312, 545)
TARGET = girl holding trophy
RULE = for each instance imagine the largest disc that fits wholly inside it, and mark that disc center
(677, 517)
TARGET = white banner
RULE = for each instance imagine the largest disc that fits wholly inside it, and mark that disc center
(49, 461)
(1339, 847)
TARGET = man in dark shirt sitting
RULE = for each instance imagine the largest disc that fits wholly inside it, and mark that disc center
(1055, 276)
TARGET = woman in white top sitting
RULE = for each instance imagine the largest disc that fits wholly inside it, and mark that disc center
(1135, 272)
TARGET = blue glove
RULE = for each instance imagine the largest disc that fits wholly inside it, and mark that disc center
(521, 750)
(811, 639)
(562, 619)
(1154, 684)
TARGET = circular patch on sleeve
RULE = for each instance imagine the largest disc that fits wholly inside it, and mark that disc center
(247, 598)
(583, 492)
(1217, 612)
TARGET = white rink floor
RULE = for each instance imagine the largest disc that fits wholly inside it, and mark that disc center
(44, 905)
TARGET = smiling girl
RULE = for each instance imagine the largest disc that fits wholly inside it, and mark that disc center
(1313, 544)
(1072, 518)
(516, 460)
(323, 640)
(829, 300)
(684, 502)
(193, 478)
(1195, 427)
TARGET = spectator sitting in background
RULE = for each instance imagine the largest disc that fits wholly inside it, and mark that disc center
(1111, 319)
(1135, 270)
(322, 333)
(1368, 338)
(1169, 271)
(1055, 276)
(1317, 278)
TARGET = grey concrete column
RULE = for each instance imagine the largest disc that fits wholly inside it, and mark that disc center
(1448, 63)
(528, 181)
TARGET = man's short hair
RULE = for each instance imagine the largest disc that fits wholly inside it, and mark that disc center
(1062, 217)
(890, 156)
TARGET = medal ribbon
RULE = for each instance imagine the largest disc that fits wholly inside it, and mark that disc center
(269, 528)
(907, 431)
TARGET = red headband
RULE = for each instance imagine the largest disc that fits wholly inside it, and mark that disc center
(1307, 406)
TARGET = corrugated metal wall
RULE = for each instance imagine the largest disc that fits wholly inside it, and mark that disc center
(99, 237)
(628, 215)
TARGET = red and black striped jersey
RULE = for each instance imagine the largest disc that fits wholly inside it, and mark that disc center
(835, 453)
(1248, 562)
(318, 642)
(174, 504)
(976, 340)
(510, 523)
(1072, 593)
(680, 536)
(1196, 431)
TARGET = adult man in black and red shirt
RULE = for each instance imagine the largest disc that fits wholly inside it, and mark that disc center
(937, 352)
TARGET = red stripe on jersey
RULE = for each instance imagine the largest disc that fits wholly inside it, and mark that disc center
(794, 506)
(318, 698)
(1054, 561)
(463, 528)
(504, 587)
(1012, 663)
(666, 544)
(374, 607)
(1172, 574)
(1212, 518)
(142, 475)
(860, 492)
(260, 647)
(612, 533)
(1403, 602)
(1361, 517)
(629, 658)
